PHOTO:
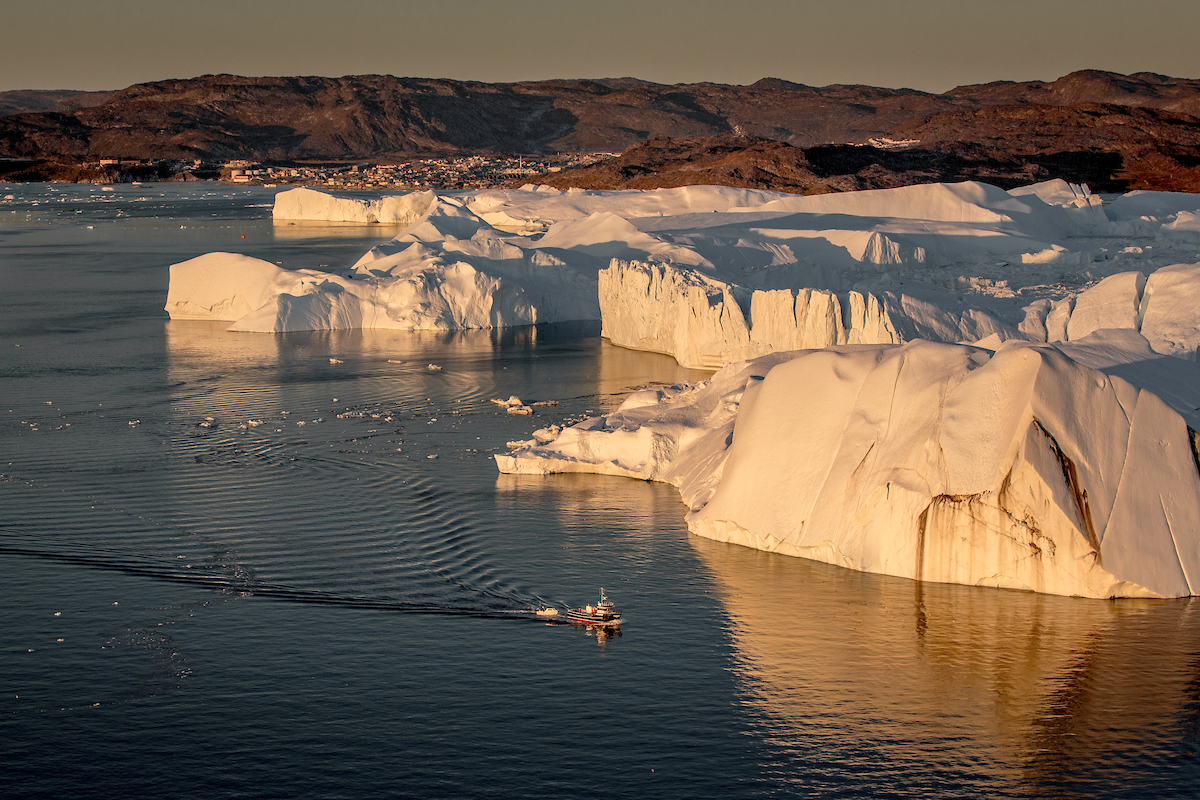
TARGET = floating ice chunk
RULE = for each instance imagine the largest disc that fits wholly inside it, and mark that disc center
(307, 204)
(434, 368)
(1111, 303)
(1141, 205)
(547, 434)
(335, 361)
(1047, 256)
(521, 443)
(1170, 313)
(1020, 469)
(1183, 230)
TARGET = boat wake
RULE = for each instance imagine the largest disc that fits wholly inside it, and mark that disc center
(246, 585)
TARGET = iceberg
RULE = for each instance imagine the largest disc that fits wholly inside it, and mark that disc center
(704, 322)
(1063, 469)
(712, 274)
(311, 205)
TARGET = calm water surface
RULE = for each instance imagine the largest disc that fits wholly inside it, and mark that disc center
(248, 606)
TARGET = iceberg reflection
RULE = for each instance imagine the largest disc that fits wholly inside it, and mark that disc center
(1028, 694)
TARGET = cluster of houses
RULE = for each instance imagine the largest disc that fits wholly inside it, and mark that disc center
(469, 172)
(466, 172)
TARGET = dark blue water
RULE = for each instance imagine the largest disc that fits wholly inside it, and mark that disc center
(245, 606)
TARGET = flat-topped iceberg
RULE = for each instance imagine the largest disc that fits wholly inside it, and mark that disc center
(705, 322)
(1063, 469)
(711, 274)
(853, 422)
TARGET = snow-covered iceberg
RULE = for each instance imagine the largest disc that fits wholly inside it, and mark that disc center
(714, 274)
(705, 322)
(1068, 469)
(314, 206)
(516, 257)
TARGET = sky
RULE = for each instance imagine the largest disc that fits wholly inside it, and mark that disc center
(932, 45)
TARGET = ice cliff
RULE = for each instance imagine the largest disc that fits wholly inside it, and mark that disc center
(704, 322)
(1067, 469)
(711, 274)
(853, 421)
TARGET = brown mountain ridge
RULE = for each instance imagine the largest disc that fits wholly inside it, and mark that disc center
(1115, 131)
(378, 116)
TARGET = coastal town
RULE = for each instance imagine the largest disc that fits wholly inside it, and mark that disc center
(471, 172)
(447, 173)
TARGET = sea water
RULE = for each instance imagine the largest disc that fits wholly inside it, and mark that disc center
(250, 565)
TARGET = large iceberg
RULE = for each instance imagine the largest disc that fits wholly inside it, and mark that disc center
(1066, 469)
(705, 322)
(943, 382)
(711, 274)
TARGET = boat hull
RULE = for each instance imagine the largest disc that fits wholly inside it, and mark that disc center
(580, 617)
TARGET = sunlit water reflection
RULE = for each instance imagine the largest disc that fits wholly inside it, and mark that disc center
(203, 596)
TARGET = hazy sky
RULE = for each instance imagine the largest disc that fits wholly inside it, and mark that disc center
(923, 44)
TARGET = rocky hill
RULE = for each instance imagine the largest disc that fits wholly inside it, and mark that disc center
(1111, 130)
(1109, 147)
(374, 116)
(25, 100)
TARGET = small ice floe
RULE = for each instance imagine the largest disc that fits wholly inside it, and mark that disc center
(513, 400)
(395, 361)
(513, 405)
(432, 456)
(543, 403)
(206, 423)
(547, 434)
(133, 423)
(58, 613)
(254, 423)
(301, 423)
(434, 367)
(336, 361)
(521, 444)
(49, 402)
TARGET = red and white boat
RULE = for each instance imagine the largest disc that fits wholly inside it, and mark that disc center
(603, 614)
